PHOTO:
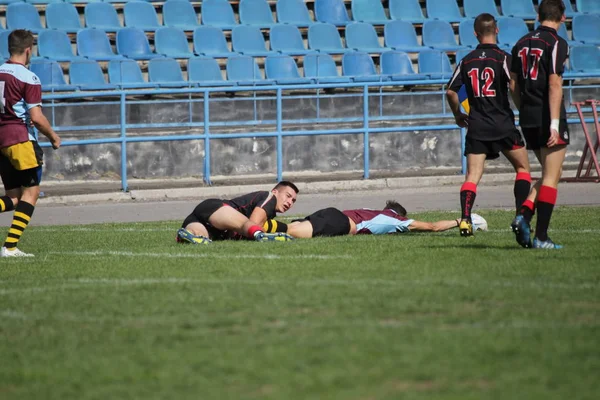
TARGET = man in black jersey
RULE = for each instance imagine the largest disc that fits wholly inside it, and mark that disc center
(538, 60)
(491, 122)
(244, 216)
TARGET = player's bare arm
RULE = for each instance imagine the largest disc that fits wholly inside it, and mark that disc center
(438, 226)
(460, 117)
(555, 96)
(258, 217)
(515, 90)
(40, 121)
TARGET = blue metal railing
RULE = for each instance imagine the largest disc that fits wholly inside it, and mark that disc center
(366, 128)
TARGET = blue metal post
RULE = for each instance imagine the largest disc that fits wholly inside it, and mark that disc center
(463, 136)
(206, 139)
(279, 137)
(123, 142)
(366, 130)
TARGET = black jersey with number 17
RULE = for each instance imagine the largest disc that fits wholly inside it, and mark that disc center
(535, 57)
(486, 75)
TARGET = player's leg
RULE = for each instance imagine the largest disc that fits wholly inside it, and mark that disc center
(229, 219)
(300, 229)
(552, 160)
(468, 191)
(194, 228)
(12, 185)
(516, 154)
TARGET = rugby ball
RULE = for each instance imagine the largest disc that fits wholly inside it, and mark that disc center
(479, 223)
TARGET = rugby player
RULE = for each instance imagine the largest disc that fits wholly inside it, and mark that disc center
(241, 217)
(491, 122)
(20, 154)
(538, 60)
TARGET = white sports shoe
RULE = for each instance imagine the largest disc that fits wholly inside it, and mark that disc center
(479, 223)
(13, 253)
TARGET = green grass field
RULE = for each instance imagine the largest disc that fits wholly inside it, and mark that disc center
(122, 311)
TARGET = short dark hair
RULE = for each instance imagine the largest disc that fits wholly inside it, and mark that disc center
(485, 25)
(551, 10)
(395, 206)
(288, 184)
(19, 40)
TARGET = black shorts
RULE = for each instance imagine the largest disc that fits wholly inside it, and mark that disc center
(202, 213)
(13, 178)
(493, 148)
(329, 222)
(537, 137)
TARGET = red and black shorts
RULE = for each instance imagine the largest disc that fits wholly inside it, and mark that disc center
(21, 165)
(537, 137)
(493, 148)
(328, 222)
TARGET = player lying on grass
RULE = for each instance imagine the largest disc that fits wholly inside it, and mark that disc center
(241, 217)
(392, 219)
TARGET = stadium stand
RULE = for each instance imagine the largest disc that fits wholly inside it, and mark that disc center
(406, 10)
(88, 76)
(180, 14)
(249, 40)
(209, 41)
(4, 54)
(460, 54)
(510, 29)
(588, 6)
(205, 71)
(331, 11)
(256, 13)
(172, 42)
(401, 36)
(283, 70)
(370, 11)
(586, 28)
(473, 8)
(94, 44)
(23, 16)
(218, 13)
(166, 72)
(51, 76)
(101, 16)
(140, 15)
(293, 12)
(325, 38)
(466, 33)
(439, 35)
(133, 43)
(398, 67)
(286, 39)
(585, 59)
(55, 45)
(361, 36)
(322, 69)
(569, 12)
(126, 74)
(63, 16)
(244, 71)
(435, 64)
(444, 10)
(519, 8)
(359, 66)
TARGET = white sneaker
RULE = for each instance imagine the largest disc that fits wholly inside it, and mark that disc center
(13, 253)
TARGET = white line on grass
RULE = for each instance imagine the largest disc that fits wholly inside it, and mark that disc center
(199, 255)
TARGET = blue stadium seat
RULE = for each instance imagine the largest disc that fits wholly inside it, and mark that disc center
(283, 70)
(401, 35)
(331, 11)
(140, 15)
(569, 12)
(406, 10)
(293, 12)
(210, 41)
(94, 44)
(101, 16)
(370, 11)
(360, 67)
(62, 16)
(435, 64)
(361, 36)
(172, 42)
(243, 71)
(466, 33)
(473, 8)
(180, 14)
(88, 76)
(585, 59)
(4, 53)
(325, 38)
(127, 75)
(23, 16)
(82, 1)
(3, 2)
(519, 9)
(587, 6)
(398, 67)
(205, 71)
(248, 40)
(439, 35)
(167, 73)
(256, 13)
(321, 68)
(55, 45)
(51, 76)
(460, 54)
(586, 28)
(510, 31)
(286, 39)
(218, 13)
(133, 43)
(43, 1)
(444, 10)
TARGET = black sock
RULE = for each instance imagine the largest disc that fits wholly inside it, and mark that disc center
(521, 189)
(6, 204)
(468, 192)
(272, 226)
(23, 213)
(545, 206)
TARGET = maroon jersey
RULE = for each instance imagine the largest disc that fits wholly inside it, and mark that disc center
(378, 222)
(20, 91)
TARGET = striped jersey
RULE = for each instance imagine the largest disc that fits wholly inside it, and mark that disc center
(378, 222)
(248, 202)
(20, 91)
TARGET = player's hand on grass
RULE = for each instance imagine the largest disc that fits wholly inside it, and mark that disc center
(462, 120)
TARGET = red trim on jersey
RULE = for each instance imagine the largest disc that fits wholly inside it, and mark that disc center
(533, 38)
(484, 59)
(547, 195)
(468, 186)
(529, 204)
(560, 141)
(14, 62)
(523, 176)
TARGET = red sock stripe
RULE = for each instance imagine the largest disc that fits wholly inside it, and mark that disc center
(470, 186)
(529, 204)
(253, 229)
(523, 176)
(548, 195)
